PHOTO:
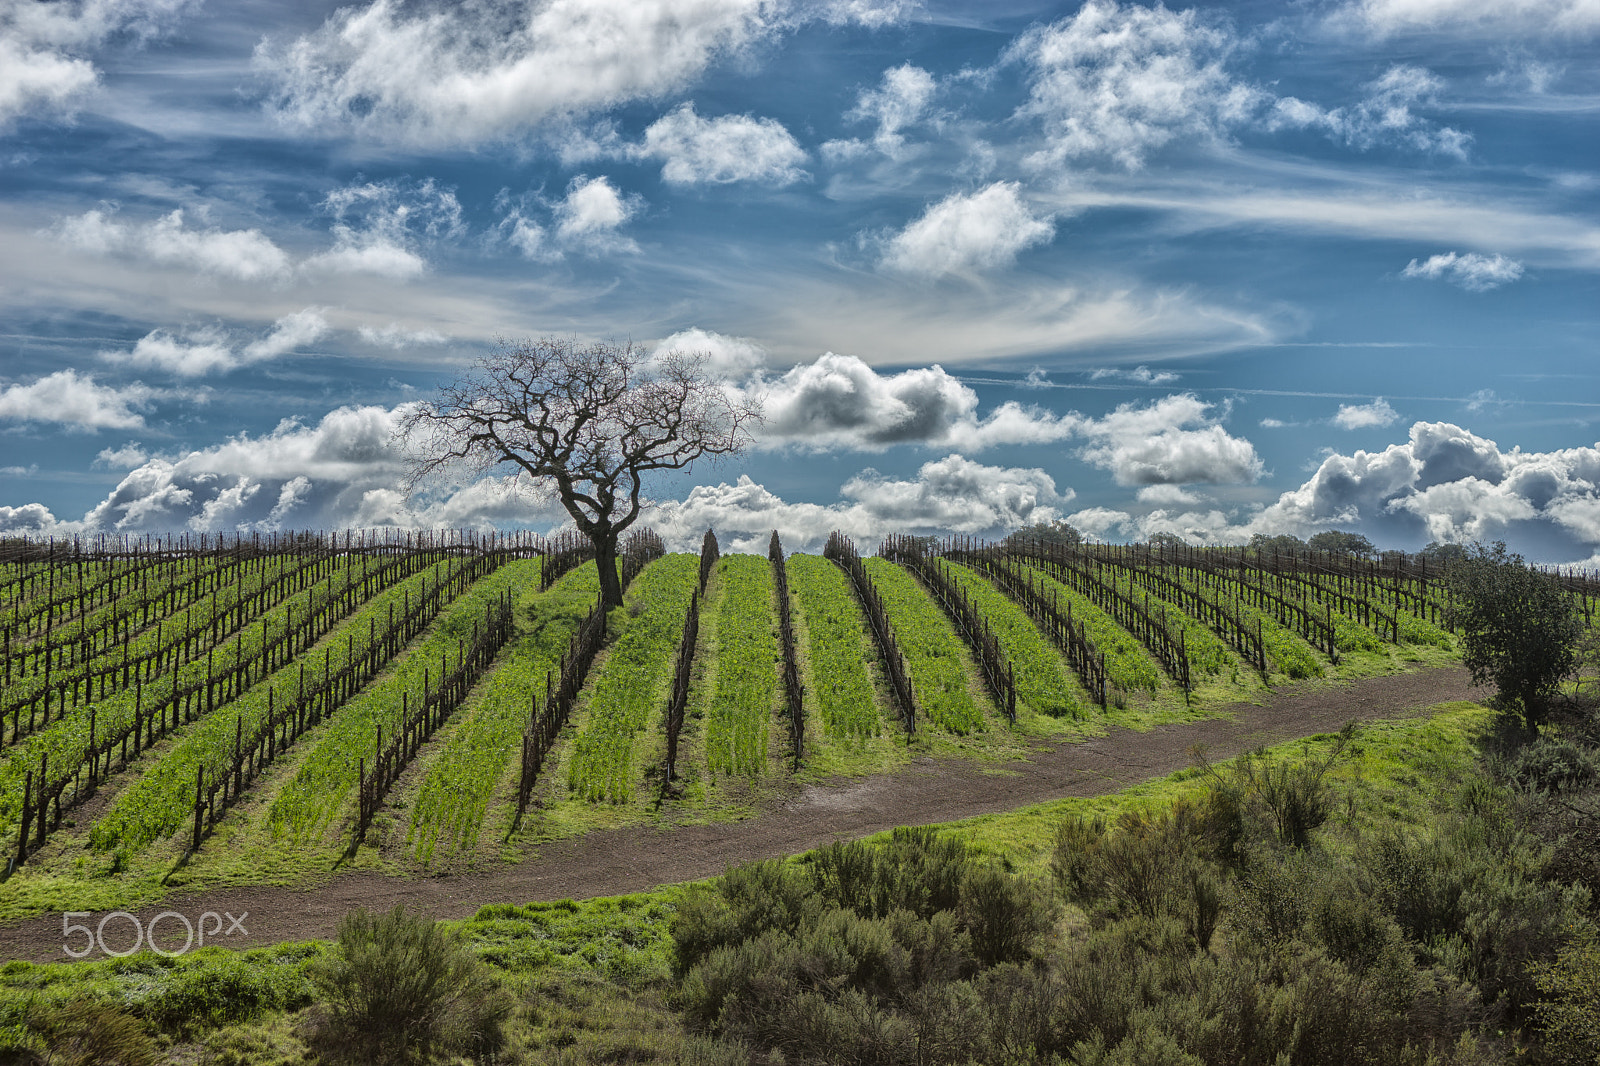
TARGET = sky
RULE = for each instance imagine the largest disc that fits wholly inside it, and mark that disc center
(1215, 270)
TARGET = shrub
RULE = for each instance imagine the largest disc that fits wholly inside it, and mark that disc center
(92, 1034)
(1551, 765)
(1569, 1013)
(399, 987)
(1518, 628)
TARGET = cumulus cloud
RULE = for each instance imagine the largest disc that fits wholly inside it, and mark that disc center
(1119, 82)
(207, 350)
(1366, 415)
(1523, 18)
(1384, 116)
(728, 357)
(242, 255)
(126, 457)
(1471, 271)
(342, 472)
(379, 226)
(900, 101)
(46, 49)
(952, 494)
(76, 401)
(586, 221)
(839, 401)
(442, 74)
(964, 234)
(1174, 440)
(722, 150)
(1447, 483)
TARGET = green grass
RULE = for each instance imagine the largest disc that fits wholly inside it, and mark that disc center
(162, 800)
(65, 739)
(454, 796)
(1040, 675)
(330, 772)
(932, 648)
(1129, 667)
(629, 684)
(837, 648)
(747, 668)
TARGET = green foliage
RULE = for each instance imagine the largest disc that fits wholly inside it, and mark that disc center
(1518, 629)
(629, 684)
(1335, 540)
(162, 801)
(932, 648)
(330, 773)
(837, 647)
(92, 1034)
(1040, 675)
(1128, 665)
(398, 987)
(65, 739)
(454, 796)
(1548, 764)
(747, 668)
(1569, 1013)
(1058, 531)
(864, 953)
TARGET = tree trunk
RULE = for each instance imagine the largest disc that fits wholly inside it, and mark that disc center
(605, 558)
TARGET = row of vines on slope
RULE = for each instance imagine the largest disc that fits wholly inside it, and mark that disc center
(843, 553)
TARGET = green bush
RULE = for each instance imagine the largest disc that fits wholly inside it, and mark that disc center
(91, 1034)
(398, 987)
(1551, 765)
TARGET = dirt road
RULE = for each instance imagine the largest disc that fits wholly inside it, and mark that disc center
(628, 860)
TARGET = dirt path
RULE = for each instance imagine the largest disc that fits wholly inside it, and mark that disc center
(628, 860)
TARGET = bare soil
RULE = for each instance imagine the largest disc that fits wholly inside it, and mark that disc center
(930, 790)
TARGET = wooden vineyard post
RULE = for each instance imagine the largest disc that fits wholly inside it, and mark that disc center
(27, 812)
(199, 803)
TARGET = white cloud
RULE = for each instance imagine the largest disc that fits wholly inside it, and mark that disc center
(465, 74)
(1445, 483)
(1471, 271)
(725, 356)
(72, 400)
(1171, 441)
(839, 402)
(1164, 495)
(952, 494)
(1521, 18)
(342, 472)
(900, 102)
(45, 48)
(722, 150)
(1384, 116)
(1120, 82)
(243, 255)
(592, 213)
(1366, 416)
(378, 226)
(1139, 375)
(586, 220)
(397, 336)
(126, 457)
(965, 234)
(207, 350)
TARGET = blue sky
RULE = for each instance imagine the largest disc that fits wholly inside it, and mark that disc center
(1217, 269)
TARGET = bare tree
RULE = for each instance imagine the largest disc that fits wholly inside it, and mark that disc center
(587, 423)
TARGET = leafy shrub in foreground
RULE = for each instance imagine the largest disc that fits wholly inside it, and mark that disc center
(399, 987)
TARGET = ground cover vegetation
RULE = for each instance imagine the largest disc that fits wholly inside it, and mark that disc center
(933, 650)
(1397, 893)
(836, 646)
(628, 688)
(182, 711)
(742, 705)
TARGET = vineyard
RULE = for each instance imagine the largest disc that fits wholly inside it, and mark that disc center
(274, 705)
